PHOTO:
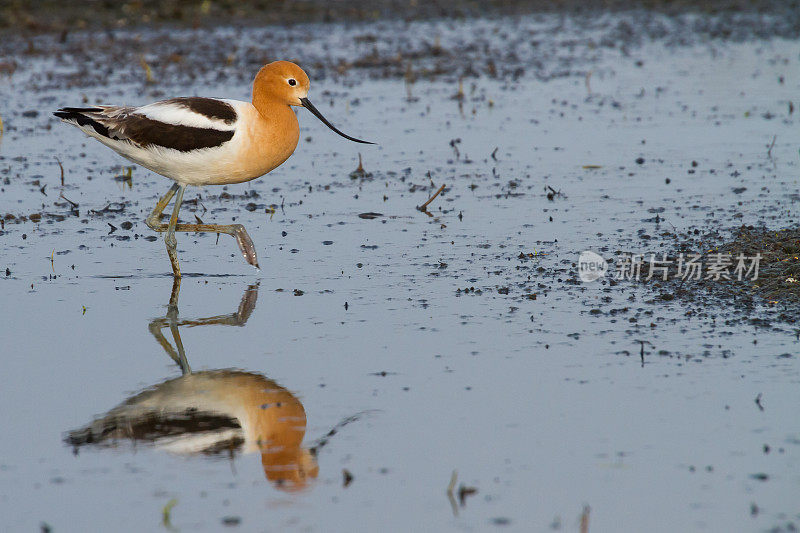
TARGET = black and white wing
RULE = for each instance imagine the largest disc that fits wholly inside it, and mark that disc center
(183, 124)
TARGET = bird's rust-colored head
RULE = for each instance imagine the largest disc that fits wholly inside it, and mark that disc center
(280, 82)
(284, 83)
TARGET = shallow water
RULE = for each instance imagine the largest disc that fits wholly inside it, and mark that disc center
(531, 387)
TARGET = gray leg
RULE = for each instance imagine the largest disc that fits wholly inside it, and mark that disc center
(154, 220)
(171, 320)
(169, 238)
(237, 231)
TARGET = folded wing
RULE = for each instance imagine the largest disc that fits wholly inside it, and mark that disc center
(182, 124)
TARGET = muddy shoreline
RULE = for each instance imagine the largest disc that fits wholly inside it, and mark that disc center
(500, 47)
(35, 17)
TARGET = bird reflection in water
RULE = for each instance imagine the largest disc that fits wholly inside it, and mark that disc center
(213, 412)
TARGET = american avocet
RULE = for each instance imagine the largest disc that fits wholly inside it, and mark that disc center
(206, 141)
(211, 412)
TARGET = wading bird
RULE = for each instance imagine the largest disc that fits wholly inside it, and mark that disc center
(213, 412)
(206, 141)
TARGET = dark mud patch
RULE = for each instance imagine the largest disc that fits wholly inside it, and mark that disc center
(779, 274)
(739, 270)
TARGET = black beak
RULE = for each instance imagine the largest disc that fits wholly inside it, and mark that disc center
(308, 105)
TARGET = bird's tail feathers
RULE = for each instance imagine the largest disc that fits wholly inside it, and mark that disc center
(82, 117)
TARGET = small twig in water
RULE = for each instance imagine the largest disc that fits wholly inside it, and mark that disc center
(460, 93)
(641, 352)
(165, 514)
(73, 204)
(585, 519)
(62, 170)
(409, 79)
(453, 145)
(424, 207)
(148, 72)
(126, 176)
(108, 209)
(552, 193)
(771, 146)
(450, 488)
(360, 173)
(463, 492)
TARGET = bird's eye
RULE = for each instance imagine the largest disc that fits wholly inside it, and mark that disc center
(292, 82)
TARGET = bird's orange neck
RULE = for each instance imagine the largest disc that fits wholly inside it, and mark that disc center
(277, 129)
(268, 107)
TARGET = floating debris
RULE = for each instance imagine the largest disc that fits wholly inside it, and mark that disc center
(552, 194)
(347, 478)
(113, 207)
(463, 492)
(231, 521)
(454, 145)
